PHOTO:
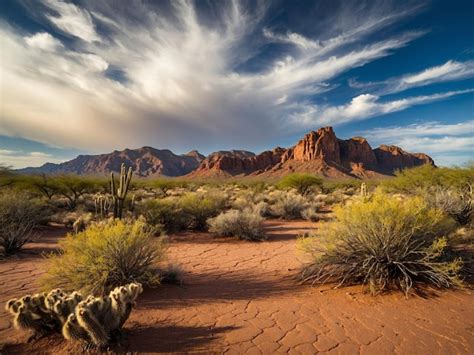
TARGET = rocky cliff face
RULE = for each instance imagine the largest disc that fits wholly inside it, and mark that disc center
(318, 152)
(237, 162)
(390, 158)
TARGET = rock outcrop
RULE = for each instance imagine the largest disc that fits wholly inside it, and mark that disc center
(318, 152)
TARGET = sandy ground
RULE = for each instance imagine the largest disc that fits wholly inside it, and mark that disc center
(241, 297)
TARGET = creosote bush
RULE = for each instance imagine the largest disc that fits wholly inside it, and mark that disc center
(383, 242)
(245, 224)
(189, 211)
(303, 183)
(106, 255)
(19, 215)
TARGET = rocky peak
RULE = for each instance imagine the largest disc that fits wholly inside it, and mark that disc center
(318, 145)
(195, 154)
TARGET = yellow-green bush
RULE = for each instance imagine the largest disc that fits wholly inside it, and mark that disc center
(104, 256)
(383, 242)
(301, 182)
(427, 176)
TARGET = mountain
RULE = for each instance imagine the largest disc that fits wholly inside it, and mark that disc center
(144, 161)
(318, 152)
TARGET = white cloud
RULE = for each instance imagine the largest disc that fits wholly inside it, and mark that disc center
(72, 20)
(363, 107)
(44, 41)
(449, 71)
(423, 129)
(18, 159)
(179, 85)
(448, 144)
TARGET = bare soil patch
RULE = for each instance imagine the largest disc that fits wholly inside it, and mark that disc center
(244, 297)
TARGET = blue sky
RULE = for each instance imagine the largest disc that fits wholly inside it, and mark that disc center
(91, 77)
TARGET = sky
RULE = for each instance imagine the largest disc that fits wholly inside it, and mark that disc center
(89, 77)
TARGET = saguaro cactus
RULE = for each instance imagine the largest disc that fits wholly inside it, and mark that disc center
(118, 195)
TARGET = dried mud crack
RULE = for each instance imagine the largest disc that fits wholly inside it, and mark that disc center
(240, 297)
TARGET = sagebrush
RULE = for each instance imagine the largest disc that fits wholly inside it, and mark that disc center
(383, 242)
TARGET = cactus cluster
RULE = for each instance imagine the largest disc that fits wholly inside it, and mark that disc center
(93, 320)
(102, 205)
(119, 194)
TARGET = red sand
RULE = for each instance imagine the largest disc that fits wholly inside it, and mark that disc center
(242, 297)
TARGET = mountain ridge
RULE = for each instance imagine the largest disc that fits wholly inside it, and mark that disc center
(318, 151)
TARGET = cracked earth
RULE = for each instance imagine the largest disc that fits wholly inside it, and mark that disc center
(240, 297)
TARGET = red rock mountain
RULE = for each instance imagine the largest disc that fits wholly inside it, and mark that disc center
(318, 152)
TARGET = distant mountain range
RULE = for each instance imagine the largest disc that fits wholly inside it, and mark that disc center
(318, 152)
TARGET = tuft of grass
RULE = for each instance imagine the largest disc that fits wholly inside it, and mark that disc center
(104, 256)
(383, 243)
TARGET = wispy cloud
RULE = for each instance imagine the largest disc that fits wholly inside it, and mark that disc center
(173, 79)
(448, 144)
(20, 159)
(449, 71)
(72, 20)
(363, 107)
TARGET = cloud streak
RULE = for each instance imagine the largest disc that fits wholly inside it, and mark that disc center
(363, 107)
(174, 79)
(449, 71)
(448, 144)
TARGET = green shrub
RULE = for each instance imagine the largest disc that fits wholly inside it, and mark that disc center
(245, 224)
(104, 256)
(19, 215)
(302, 182)
(426, 176)
(383, 242)
(164, 214)
(198, 208)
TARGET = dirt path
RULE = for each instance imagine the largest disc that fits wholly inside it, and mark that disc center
(241, 297)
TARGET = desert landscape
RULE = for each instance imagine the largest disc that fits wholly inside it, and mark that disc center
(235, 262)
(236, 177)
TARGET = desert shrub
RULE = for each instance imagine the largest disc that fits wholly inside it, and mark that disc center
(198, 208)
(457, 203)
(289, 205)
(245, 224)
(73, 187)
(164, 214)
(19, 215)
(106, 255)
(383, 242)
(427, 176)
(302, 182)
(310, 214)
